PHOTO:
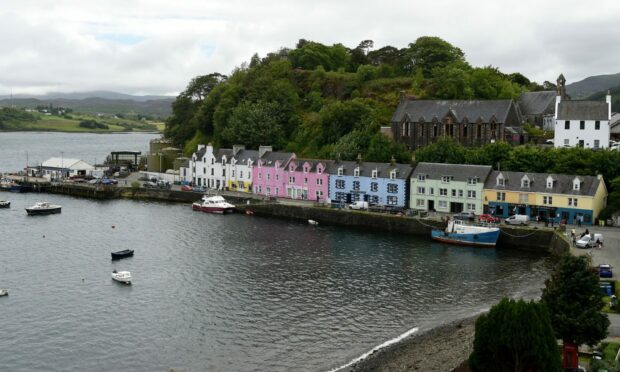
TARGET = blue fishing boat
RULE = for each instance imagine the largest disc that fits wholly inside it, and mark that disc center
(458, 232)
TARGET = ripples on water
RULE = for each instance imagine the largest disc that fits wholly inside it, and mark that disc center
(225, 292)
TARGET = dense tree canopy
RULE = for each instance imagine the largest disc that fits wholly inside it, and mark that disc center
(515, 336)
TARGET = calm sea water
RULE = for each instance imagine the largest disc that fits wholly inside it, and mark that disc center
(224, 293)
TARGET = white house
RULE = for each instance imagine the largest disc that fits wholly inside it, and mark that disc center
(55, 168)
(222, 168)
(581, 123)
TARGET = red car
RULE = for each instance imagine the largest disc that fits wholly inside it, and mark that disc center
(489, 218)
(186, 188)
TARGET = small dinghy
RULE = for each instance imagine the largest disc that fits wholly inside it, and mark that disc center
(122, 254)
(122, 276)
(4, 292)
(5, 204)
(313, 222)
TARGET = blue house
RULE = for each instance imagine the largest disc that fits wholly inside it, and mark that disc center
(382, 184)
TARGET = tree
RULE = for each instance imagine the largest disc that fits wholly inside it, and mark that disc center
(443, 151)
(575, 301)
(254, 124)
(515, 336)
(200, 86)
(429, 52)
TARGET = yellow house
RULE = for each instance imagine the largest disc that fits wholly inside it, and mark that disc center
(559, 197)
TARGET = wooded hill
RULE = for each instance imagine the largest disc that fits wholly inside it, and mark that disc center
(320, 101)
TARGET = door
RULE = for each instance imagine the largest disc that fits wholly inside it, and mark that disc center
(456, 207)
(431, 205)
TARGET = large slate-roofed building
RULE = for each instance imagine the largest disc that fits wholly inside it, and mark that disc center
(538, 108)
(417, 123)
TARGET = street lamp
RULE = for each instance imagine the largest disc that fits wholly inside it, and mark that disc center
(62, 164)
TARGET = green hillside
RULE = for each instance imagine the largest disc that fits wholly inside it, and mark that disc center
(615, 98)
(324, 101)
(592, 85)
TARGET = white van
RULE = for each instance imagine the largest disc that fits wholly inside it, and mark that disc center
(518, 219)
(589, 241)
(359, 205)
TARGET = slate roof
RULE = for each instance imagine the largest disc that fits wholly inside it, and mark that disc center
(472, 110)
(223, 152)
(201, 153)
(613, 123)
(270, 157)
(403, 171)
(185, 164)
(537, 103)
(313, 163)
(459, 172)
(582, 110)
(538, 183)
(243, 156)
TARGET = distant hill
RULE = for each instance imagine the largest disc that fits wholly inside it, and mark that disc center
(90, 94)
(615, 97)
(153, 106)
(592, 85)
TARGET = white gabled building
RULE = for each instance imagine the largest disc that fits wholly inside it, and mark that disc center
(55, 168)
(581, 123)
(221, 169)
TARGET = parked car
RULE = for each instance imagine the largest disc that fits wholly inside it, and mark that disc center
(149, 185)
(359, 205)
(465, 215)
(518, 219)
(549, 142)
(198, 189)
(488, 218)
(163, 184)
(109, 181)
(604, 271)
(186, 188)
(589, 241)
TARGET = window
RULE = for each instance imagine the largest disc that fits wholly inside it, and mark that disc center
(277, 177)
(431, 191)
(356, 172)
(392, 188)
(421, 177)
(374, 187)
(212, 161)
(550, 184)
(471, 207)
(471, 194)
(421, 190)
(223, 172)
(268, 191)
(392, 174)
(277, 191)
(442, 204)
(548, 200)
(501, 181)
(356, 185)
(213, 171)
(443, 192)
(576, 185)
(204, 170)
(460, 193)
(340, 171)
(319, 194)
(305, 169)
(501, 196)
(566, 142)
(340, 196)
(319, 170)
(525, 183)
(374, 199)
(472, 181)
(597, 125)
(340, 184)
(567, 124)
(572, 202)
(305, 180)
(392, 200)
(454, 193)
(523, 198)
(597, 144)
(268, 176)
(582, 125)
(240, 174)
(291, 180)
(319, 181)
(374, 173)
(420, 203)
(233, 174)
(445, 179)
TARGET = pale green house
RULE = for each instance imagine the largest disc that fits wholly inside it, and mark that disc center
(448, 188)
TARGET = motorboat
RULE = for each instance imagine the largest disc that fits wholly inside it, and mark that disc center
(213, 204)
(4, 292)
(5, 204)
(43, 208)
(313, 222)
(122, 254)
(458, 232)
(122, 276)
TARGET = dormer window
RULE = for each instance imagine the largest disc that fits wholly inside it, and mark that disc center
(374, 173)
(472, 181)
(340, 171)
(319, 169)
(393, 174)
(576, 184)
(525, 183)
(305, 169)
(549, 182)
(445, 179)
(500, 181)
(356, 172)
(421, 177)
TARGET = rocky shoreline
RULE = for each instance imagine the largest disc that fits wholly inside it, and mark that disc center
(443, 348)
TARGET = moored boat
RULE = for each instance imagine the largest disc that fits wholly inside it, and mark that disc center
(213, 204)
(458, 232)
(43, 208)
(313, 222)
(5, 204)
(122, 254)
(4, 292)
(122, 276)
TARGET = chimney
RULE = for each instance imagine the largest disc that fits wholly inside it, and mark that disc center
(237, 148)
(200, 147)
(209, 148)
(263, 149)
(608, 100)
(393, 161)
(359, 158)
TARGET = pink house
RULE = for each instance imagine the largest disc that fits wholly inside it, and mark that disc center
(268, 174)
(306, 179)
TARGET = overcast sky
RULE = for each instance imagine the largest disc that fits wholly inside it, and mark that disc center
(157, 46)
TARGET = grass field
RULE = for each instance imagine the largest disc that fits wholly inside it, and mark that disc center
(51, 123)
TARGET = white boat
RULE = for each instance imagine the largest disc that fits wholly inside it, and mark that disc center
(122, 276)
(4, 292)
(213, 204)
(43, 208)
(313, 222)
(5, 204)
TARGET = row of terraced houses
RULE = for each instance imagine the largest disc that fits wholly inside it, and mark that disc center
(448, 188)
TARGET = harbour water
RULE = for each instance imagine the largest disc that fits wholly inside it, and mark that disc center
(225, 293)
